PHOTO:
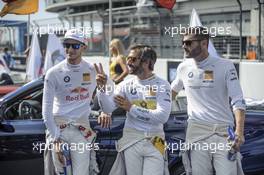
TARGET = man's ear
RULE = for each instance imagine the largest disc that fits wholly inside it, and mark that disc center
(84, 47)
(205, 43)
(147, 64)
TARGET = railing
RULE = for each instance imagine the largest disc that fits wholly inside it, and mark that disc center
(151, 31)
(50, 2)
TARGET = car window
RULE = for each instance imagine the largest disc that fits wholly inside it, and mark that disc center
(27, 107)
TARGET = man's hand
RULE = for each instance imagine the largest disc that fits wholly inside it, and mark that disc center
(57, 147)
(105, 120)
(239, 140)
(239, 132)
(101, 77)
(122, 102)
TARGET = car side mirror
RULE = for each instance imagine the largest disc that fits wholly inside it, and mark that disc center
(6, 128)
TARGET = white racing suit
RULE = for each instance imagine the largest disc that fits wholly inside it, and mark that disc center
(151, 99)
(208, 86)
(130, 149)
(209, 141)
(79, 138)
(67, 95)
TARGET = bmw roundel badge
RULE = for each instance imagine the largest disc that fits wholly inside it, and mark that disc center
(67, 79)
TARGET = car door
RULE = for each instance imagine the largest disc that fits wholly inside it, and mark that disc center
(253, 148)
(21, 149)
(106, 139)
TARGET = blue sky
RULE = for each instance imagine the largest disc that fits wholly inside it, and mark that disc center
(41, 14)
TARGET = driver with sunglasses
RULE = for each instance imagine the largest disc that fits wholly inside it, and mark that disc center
(212, 88)
(68, 90)
(147, 101)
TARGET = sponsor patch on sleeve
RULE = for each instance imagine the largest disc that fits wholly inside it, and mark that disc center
(233, 75)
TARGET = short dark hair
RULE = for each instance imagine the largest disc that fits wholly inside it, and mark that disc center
(146, 52)
(5, 49)
(199, 32)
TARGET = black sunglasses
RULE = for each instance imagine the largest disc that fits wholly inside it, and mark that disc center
(132, 58)
(189, 42)
(74, 46)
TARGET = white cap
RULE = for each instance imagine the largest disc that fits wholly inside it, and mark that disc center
(75, 34)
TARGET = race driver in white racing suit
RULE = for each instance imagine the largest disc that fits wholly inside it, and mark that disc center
(147, 101)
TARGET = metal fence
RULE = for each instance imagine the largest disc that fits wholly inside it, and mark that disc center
(149, 26)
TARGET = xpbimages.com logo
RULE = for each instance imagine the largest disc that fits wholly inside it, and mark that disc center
(183, 146)
(59, 30)
(80, 147)
(134, 89)
(212, 31)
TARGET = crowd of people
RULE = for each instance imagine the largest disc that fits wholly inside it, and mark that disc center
(209, 83)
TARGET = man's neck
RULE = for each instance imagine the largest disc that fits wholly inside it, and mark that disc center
(74, 62)
(145, 75)
(201, 57)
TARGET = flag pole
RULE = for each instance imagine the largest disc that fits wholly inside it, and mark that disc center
(28, 28)
(110, 22)
(110, 28)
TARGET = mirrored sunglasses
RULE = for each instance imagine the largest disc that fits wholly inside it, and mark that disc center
(74, 46)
